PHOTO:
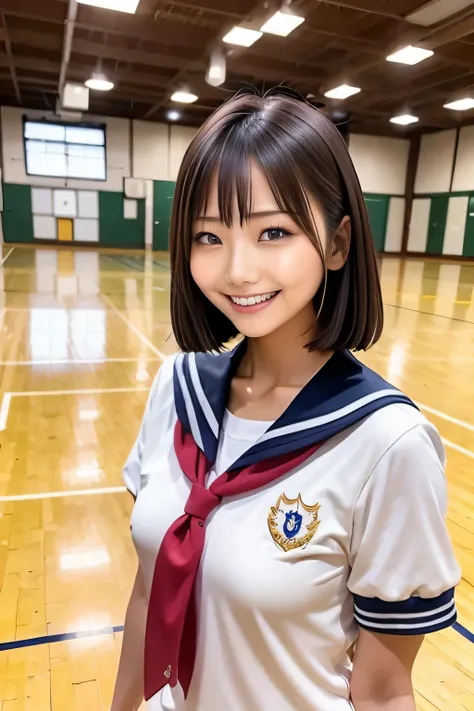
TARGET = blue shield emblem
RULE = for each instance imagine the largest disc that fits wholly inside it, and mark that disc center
(292, 523)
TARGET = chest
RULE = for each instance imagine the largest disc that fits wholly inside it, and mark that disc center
(284, 547)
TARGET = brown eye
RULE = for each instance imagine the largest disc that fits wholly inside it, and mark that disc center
(207, 238)
(273, 234)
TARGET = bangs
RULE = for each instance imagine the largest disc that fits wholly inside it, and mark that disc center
(227, 162)
(302, 156)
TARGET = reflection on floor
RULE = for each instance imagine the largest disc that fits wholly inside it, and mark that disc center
(83, 334)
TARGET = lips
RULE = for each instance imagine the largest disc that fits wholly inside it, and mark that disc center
(252, 300)
(252, 304)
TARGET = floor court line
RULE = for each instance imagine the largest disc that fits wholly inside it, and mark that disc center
(132, 327)
(7, 397)
(4, 410)
(122, 489)
(444, 416)
(106, 631)
(4, 259)
(64, 494)
(427, 313)
(457, 448)
(79, 361)
(51, 638)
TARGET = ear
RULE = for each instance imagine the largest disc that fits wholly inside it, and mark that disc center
(339, 248)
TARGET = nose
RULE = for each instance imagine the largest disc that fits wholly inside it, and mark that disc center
(243, 266)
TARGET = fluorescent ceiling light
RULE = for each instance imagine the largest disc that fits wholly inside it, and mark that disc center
(184, 97)
(461, 104)
(342, 92)
(404, 119)
(282, 23)
(242, 36)
(99, 82)
(410, 55)
(436, 11)
(173, 115)
(129, 6)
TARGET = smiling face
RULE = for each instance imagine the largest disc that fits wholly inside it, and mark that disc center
(268, 228)
(262, 273)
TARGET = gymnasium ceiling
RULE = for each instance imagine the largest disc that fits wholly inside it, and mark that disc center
(168, 42)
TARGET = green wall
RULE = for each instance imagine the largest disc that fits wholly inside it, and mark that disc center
(114, 229)
(437, 224)
(436, 237)
(377, 208)
(468, 250)
(17, 214)
(163, 192)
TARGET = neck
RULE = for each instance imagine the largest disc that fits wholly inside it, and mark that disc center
(281, 356)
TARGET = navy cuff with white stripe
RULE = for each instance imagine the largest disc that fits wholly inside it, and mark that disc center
(414, 616)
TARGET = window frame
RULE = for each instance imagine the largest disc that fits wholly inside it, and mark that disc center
(67, 124)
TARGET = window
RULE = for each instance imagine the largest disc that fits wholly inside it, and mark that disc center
(61, 150)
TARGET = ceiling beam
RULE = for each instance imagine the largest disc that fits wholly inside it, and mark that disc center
(67, 45)
(11, 61)
(234, 8)
(257, 7)
(33, 10)
(426, 36)
(369, 11)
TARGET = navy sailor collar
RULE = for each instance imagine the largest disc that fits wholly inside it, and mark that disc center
(340, 394)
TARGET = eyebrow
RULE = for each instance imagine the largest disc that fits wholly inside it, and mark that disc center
(263, 213)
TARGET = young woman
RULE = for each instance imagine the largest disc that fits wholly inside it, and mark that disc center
(289, 502)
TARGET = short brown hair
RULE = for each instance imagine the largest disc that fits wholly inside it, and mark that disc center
(301, 152)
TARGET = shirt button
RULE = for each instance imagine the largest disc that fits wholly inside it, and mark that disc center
(167, 672)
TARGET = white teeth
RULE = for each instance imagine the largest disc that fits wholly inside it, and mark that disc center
(252, 300)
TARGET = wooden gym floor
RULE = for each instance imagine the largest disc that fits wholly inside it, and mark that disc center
(82, 335)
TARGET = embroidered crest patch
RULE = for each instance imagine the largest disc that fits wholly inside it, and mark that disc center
(292, 523)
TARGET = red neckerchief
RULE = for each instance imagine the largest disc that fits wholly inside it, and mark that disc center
(171, 630)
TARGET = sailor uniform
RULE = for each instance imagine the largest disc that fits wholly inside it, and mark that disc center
(261, 570)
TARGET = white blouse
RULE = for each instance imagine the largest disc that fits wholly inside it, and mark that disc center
(275, 625)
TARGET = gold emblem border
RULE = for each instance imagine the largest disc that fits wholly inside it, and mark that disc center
(282, 541)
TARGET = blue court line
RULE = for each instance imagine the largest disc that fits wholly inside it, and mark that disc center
(50, 639)
(464, 632)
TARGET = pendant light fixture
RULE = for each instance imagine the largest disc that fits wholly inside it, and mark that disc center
(216, 72)
(99, 81)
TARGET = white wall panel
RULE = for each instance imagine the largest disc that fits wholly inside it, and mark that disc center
(130, 209)
(455, 225)
(42, 201)
(395, 220)
(464, 170)
(381, 163)
(435, 163)
(420, 216)
(65, 203)
(151, 150)
(44, 227)
(88, 203)
(86, 230)
(180, 138)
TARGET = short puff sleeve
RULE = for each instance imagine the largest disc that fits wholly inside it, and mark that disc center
(403, 570)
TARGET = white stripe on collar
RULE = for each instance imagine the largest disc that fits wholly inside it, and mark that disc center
(201, 395)
(330, 417)
(193, 422)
